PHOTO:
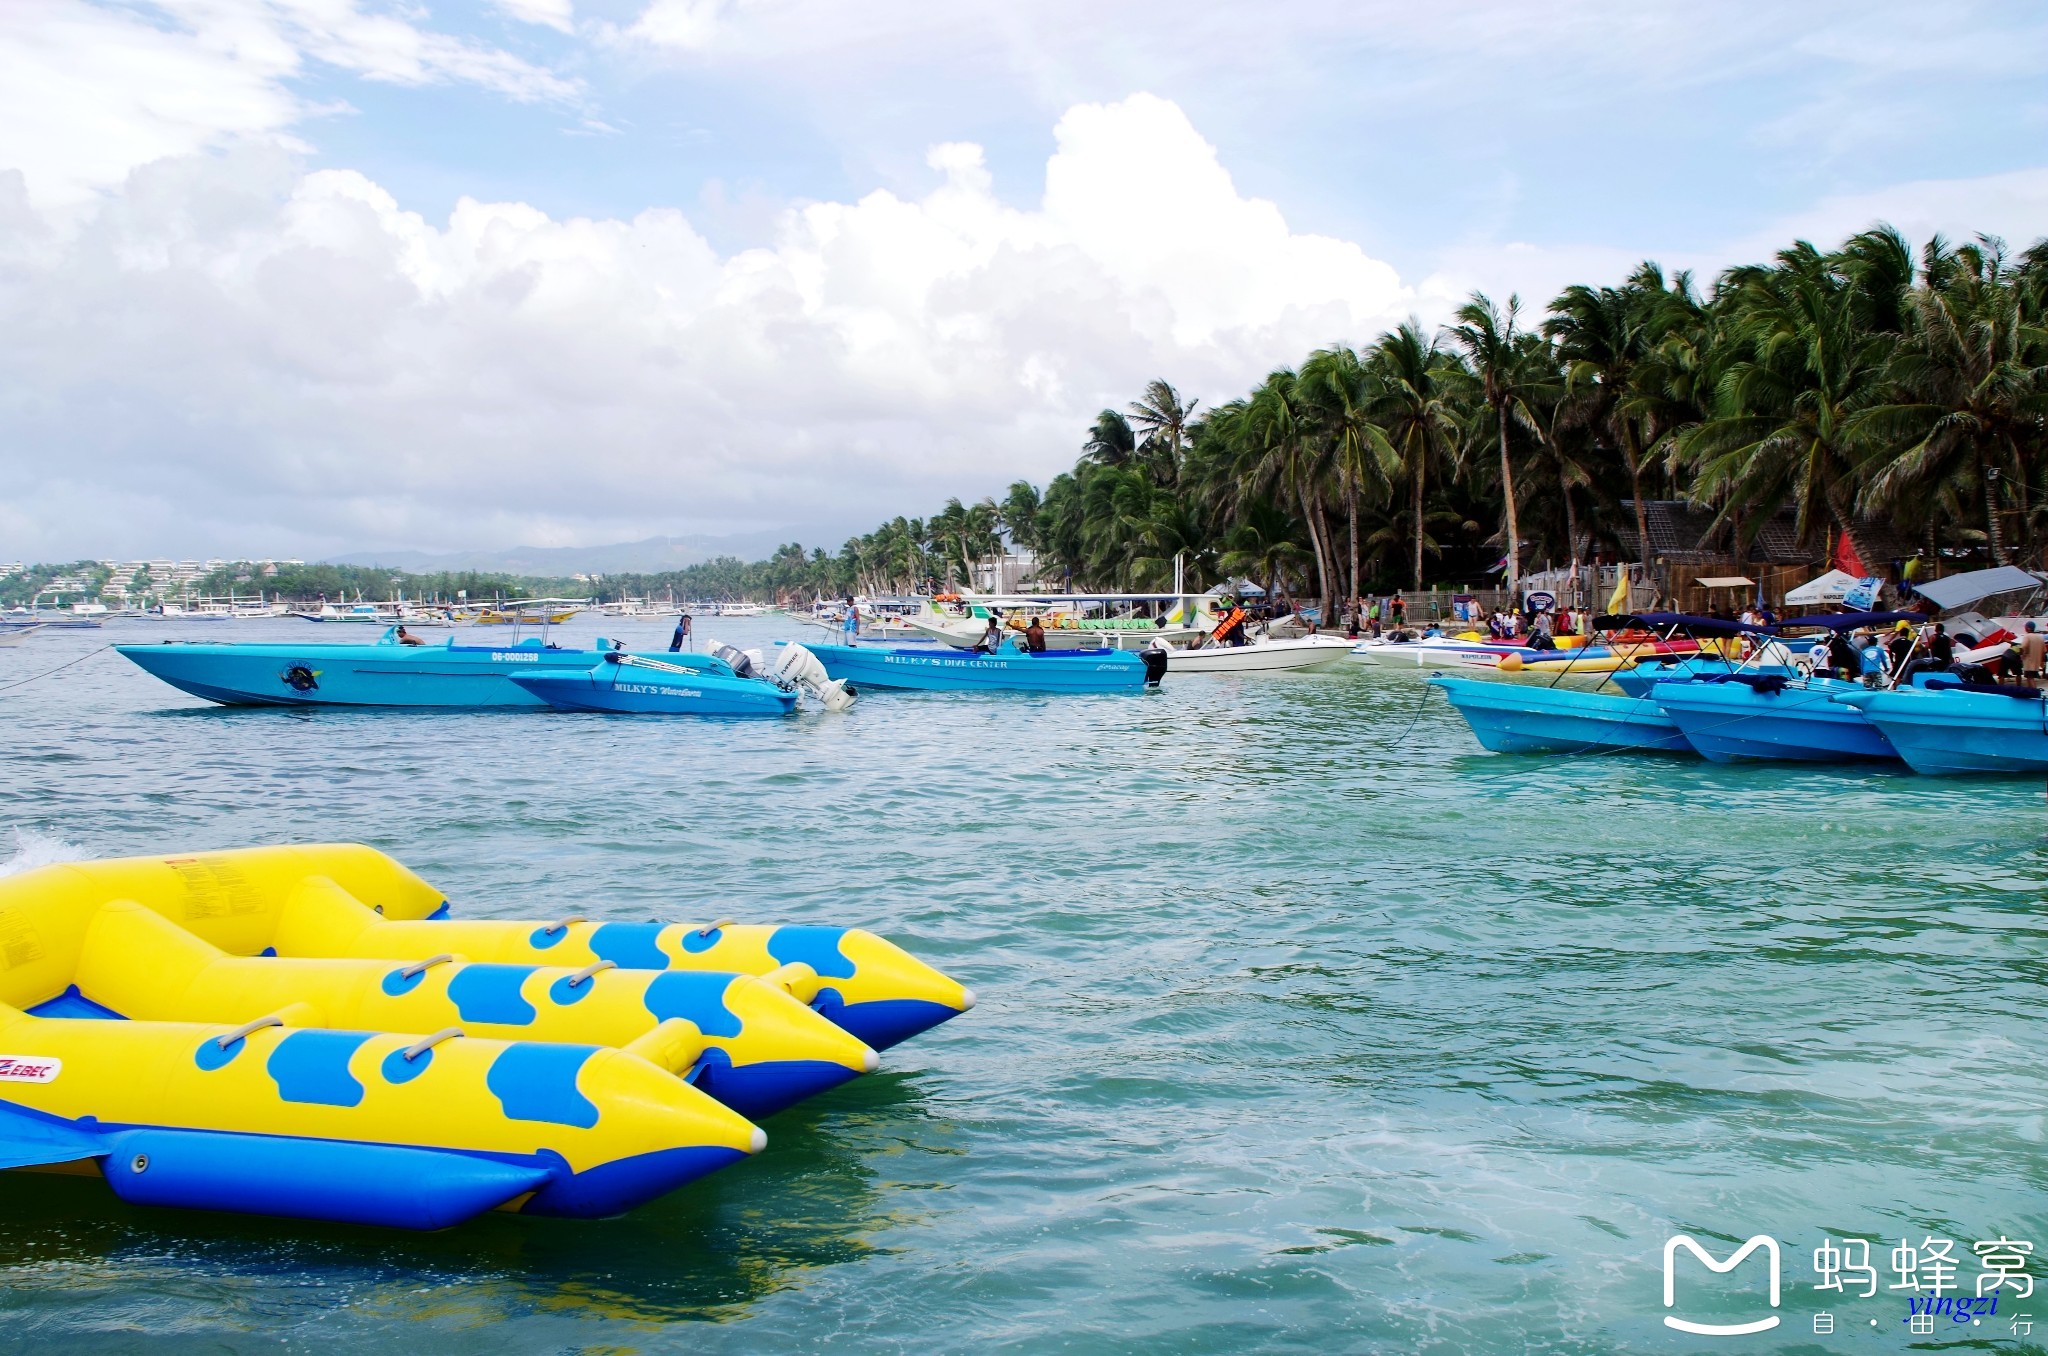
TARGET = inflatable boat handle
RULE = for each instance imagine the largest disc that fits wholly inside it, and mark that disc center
(426, 1043)
(421, 967)
(710, 928)
(562, 924)
(246, 1029)
(577, 980)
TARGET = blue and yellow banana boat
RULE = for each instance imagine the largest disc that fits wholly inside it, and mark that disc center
(109, 965)
(357, 1126)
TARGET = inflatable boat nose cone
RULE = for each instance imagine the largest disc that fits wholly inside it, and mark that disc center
(966, 999)
(870, 1062)
(759, 1142)
(762, 1089)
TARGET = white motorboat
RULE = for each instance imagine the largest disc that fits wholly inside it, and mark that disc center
(12, 633)
(1261, 656)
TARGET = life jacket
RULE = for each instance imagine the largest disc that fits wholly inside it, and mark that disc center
(1227, 623)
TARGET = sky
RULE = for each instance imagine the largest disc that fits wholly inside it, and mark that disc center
(305, 277)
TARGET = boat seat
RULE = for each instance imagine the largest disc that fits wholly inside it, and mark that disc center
(2018, 694)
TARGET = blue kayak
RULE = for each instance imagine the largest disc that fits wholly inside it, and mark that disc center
(380, 673)
(1769, 717)
(1945, 728)
(1007, 670)
(1520, 718)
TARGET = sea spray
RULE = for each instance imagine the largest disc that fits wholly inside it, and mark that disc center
(34, 848)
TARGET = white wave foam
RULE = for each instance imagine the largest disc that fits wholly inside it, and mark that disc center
(34, 848)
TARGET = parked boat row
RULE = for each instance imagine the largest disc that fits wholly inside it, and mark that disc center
(1780, 705)
(304, 1031)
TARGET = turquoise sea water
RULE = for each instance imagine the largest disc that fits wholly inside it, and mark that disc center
(1293, 1036)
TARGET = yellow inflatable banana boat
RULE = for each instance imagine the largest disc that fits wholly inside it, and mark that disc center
(306, 1034)
(346, 900)
(358, 1126)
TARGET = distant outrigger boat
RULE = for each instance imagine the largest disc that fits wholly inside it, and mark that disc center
(960, 619)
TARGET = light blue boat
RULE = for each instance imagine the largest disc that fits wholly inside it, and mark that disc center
(620, 689)
(1945, 728)
(380, 673)
(1647, 673)
(1008, 670)
(1521, 718)
(1768, 717)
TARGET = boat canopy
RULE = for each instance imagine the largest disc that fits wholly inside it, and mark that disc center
(1850, 621)
(1831, 587)
(1699, 626)
(1960, 590)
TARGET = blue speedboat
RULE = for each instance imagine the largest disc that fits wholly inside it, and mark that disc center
(1948, 727)
(1007, 670)
(620, 690)
(1519, 718)
(382, 673)
(635, 685)
(1767, 716)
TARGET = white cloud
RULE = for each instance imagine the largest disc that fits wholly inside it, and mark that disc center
(89, 91)
(556, 14)
(2013, 205)
(683, 25)
(268, 359)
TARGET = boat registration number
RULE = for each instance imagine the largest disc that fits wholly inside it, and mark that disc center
(29, 1068)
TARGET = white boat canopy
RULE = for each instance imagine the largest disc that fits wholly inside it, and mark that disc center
(1728, 581)
(1960, 590)
(1831, 587)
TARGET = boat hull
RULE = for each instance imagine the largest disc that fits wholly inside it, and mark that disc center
(613, 690)
(1515, 719)
(1732, 722)
(1266, 656)
(463, 676)
(1069, 671)
(1946, 734)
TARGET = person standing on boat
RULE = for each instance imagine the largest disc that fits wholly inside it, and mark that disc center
(851, 624)
(2033, 650)
(991, 639)
(682, 635)
(1034, 636)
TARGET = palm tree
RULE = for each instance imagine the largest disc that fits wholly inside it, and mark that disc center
(1337, 388)
(1600, 338)
(1511, 373)
(1783, 426)
(1264, 544)
(1110, 441)
(1412, 404)
(1164, 418)
(1971, 392)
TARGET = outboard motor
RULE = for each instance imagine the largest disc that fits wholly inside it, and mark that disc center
(1155, 666)
(742, 666)
(797, 667)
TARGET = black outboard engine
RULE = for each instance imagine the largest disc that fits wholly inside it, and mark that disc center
(1155, 666)
(741, 665)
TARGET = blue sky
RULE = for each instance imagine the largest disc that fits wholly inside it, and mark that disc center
(285, 275)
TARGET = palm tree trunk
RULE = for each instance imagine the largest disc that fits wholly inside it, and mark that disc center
(1421, 470)
(1314, 538)
(1635, 476)
(1351, 510)
(1331, 578)
(1507, 489)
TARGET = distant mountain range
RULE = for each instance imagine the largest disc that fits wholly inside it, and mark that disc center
(650, 556)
